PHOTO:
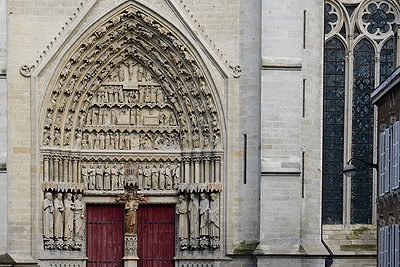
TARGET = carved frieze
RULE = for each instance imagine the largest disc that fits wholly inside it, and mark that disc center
(148, 176)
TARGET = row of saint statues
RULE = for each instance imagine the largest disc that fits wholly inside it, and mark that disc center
(118, 95)
(63, 218)
(127, 141)
(127, 116)
(116, 176)
(199, 225)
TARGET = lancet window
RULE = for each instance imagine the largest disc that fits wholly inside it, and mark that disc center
(359, 54)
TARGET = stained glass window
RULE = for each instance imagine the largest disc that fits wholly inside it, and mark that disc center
(363, 130)
(333, 135)
(387, 59)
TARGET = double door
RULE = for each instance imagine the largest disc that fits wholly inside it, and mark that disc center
(105, 235)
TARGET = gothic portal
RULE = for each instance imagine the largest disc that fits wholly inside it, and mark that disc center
(130, 116)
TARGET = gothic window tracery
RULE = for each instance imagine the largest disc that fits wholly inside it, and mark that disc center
(358, 39)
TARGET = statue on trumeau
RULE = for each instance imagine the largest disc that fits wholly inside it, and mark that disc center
(131, 208)
(48, 209)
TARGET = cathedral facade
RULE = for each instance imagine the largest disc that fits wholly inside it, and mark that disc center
(190, 133)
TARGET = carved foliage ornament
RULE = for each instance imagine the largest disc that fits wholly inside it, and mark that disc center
(132, 79)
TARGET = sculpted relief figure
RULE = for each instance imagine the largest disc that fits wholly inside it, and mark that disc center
(204, 208)
(79, 225)
(131, 213)
(214, 221)
(48, 209)
(92, 175)
(154, 177)
(193, 210)
(69, 206)
(58, 217)
(177, 176)
(107, 177)
(99, 177)
(114, 177)
(146, 177)
(181, 210)
(168, 177)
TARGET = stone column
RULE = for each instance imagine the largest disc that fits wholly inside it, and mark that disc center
(186, 162)
(217, 169)
(197, 170)
(70, 176)
(45, 168)
(206, 163)
(65, 169)
(51, 168)
(56, 169)
(212, 180)
(75, 170)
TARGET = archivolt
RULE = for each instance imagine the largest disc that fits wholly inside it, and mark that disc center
(132, 34)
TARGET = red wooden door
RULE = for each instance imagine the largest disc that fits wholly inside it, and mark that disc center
(156, 235)
(104, 235)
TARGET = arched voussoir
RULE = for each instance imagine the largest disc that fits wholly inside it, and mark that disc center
(129, 71)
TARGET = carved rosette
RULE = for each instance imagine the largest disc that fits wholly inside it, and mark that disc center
(376, 19)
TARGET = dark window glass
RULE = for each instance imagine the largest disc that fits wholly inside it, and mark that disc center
(363, 130)
(333, 134)
(387, 59)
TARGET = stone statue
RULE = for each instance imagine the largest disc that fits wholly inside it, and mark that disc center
(214, 218)
(99, 177)
(84, 172)
(121, 74)
(140, 176)
(69, 207)
(48, 209)
(58, 217)
(155, 173)
(146, 175)
(193, 210)
(177, 176)
(121, 175)
(107, 177)
(181, 210)
(114, 178)
(162, 177)
(79, 225)
(168, 177)
(92, 179)
(204, 208)
(131, 212)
